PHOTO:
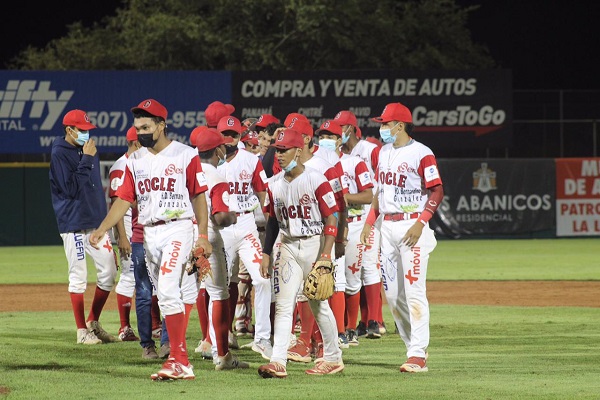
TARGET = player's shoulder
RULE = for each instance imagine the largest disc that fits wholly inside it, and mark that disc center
(213, 176)
(421, 148)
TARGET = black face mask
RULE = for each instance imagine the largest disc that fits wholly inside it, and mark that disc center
(229, 150)
(146, 139)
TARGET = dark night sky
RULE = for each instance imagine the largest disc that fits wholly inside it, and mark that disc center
(548, 44)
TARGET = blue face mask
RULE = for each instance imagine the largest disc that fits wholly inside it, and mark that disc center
(221, 160)
(82, 137)
(386, 134)
(290, 166)
(328, 144)
(345, 137)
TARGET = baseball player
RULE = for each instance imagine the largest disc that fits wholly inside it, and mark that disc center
(211, 149)
(215, 111)
(79, 205)
(122, 235)
(409, 192)
(301, 207)
(166, 179)
(360, 193)
(371, 323)
(247, 185)
(301, 351)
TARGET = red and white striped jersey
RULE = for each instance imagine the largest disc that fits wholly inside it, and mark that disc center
(217, 195)
(359, 178)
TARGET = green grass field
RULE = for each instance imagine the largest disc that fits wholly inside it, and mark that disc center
(476, 352)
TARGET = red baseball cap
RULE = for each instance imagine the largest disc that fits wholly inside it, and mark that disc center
(251, 137)
(358, 133)
(302, 126)
(288, 139)
(394, 112)
(217, 110)
(132, 134)
(229, 123)
(78, 119)
(266, 119)
(330, 126)
(195, 132)
(294, 116)
(209, 138)
(346, 117)
(152, 107)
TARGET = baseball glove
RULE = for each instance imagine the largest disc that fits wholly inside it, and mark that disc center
(198, 262)
(320, 283)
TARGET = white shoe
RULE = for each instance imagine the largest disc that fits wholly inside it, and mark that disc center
(86, 337)
(96, 328)
(232, 341)
(264, 348)
(229, 361)
(293, 340)
(205, 350)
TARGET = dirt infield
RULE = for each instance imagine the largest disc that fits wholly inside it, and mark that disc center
(499, 293)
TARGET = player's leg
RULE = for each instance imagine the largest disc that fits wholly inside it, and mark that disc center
(124, 290)
(143, 300)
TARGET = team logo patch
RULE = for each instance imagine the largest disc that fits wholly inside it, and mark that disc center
(431, 173)
(329, 199)
(147, 104)
(365, 178)
(245, 176)
(230, 122)
(201, 178)
(115, 183)
(280, 136)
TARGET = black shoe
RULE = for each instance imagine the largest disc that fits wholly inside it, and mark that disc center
(361, 329)
(352, 337)
(373, 330)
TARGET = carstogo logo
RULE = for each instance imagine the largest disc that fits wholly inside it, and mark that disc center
(44, 103)
(172, 169)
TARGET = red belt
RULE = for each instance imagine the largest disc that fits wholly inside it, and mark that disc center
(400, 216)
(356, 218)
(243, 213)
(162, 222)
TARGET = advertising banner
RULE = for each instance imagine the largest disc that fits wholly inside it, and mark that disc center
(496, 197)
(32, 104)
(466, 109)
(577, 196)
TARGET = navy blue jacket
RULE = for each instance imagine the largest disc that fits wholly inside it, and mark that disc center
(76, 187)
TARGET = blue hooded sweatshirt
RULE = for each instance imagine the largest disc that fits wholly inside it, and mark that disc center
(76, 188)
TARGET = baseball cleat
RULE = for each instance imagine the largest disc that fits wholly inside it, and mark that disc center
(299, 353)
(174, 370)
(343, 342)
(126, 334)
(272, 370)
(264, 348)
(352, 337)
(414, 364)
(205, 350)
(326, 368)
(149, 353)
(86, 337)
(373, 330)
(96, 328)
(361, 329)
(229, 361)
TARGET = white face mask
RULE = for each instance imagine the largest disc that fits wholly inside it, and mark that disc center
(345, 137)
(221, 160)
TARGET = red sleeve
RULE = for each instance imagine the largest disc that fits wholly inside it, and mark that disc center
(335, 183)
(375, 157)
(326, 199)
(219, 198)
(193, 184)
(114, 174)
(428, 170)
(268, 207)
(276, 167)
(127, 189)
(362, 177)
(343, 179)
(258, 183)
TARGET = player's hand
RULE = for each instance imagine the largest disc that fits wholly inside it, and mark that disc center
(364, 235)
(205, 244)
(124, 247)
(95, 238)
(340, 249)
(413, 234)
(265, 266)
(89, 148)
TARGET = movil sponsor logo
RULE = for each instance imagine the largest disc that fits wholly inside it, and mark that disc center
(31, 100)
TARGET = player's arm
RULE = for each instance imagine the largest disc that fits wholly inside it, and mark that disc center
(219, 200)
(121, 235)
(201, 212)
(434, 198)
(116, 213)
(271, 233)
(371, 218)
(330, 237)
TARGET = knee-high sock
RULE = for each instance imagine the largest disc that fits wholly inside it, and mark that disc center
(352, 306)
(337, 302)
(373, 294)
(100, 297)
(202, 308)
(124, 307)
(188, 312)
(220, 318)
(176, 330)
(77, 302)
(307, 321)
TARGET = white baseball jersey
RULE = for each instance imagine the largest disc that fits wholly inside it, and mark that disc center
(115, 176)
(333, 175)
(300, 205)
(217, 195)
(403, 175)
(369, 153)
(358, 177)
(246, 176)
(332, 157)
(163, 183)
